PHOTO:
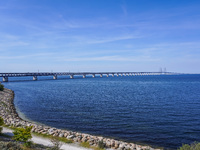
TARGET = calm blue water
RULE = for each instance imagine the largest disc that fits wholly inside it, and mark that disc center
(157, 110)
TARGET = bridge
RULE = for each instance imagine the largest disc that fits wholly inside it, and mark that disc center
(5, 76)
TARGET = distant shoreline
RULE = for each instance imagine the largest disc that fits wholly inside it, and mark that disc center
(11, 118)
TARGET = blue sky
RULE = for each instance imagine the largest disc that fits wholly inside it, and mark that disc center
(99, 35)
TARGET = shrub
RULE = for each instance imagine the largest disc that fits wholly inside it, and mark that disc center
(10, 146)
(1, 123)
(28, 144)
(193, 146)
(23, 135)
(1, 87)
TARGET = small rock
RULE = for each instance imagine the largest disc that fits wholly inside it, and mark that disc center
(70, 136)
(61, 134)
(121, 146)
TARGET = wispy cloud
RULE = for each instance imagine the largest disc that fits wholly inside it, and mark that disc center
(110, 58)
(27, 56)
(112, 39)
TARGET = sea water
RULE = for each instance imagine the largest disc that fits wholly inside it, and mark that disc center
(159, 110)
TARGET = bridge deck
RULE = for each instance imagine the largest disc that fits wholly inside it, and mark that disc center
(72, 74)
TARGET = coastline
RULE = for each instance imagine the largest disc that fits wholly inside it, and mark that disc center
(11, 118)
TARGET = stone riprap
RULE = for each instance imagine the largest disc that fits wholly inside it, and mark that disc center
(11, 118)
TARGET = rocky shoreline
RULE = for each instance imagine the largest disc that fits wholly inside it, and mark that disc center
(11, 118)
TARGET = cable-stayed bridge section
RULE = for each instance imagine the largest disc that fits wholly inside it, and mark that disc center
(35, 75)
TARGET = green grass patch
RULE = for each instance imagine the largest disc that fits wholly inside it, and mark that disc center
(97, 148)
(42, 135)
(193, 146)
(65, 140)
(85, 144)
(62, 139)
(9, 127)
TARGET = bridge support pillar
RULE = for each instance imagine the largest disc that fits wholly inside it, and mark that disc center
(71, 76)
(101, 75)
(55, 77)
(5, 79)
(113, 75)
(84, 76)
(34, 78)
(93, 75)
(117, 75)
(107, 75)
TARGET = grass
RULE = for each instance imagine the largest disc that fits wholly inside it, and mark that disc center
(62, 139)
(10, 127)
(27, 148)
(97, 148)
(65, 140)
(85, 144)
(193, 146)
(13, 145)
